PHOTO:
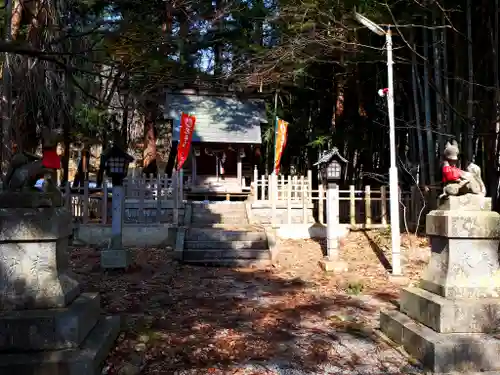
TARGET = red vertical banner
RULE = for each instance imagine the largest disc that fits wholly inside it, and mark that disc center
(280, 142)
(185, 136)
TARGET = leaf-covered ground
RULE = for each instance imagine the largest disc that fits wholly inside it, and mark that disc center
(288, 319)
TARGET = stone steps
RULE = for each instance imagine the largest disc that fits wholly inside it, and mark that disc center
(218, 217)
(222, 234)
(218, 213)
(236, 263)
(221, 244)
(224, 254)
(243, 247)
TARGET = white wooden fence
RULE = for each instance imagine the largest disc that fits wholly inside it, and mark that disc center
(366, 208)
(146, 200)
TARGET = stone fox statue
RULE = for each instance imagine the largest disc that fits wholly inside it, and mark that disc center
(457, 181)
(26, 169)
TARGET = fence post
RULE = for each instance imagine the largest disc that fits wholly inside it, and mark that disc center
(85, 202)
(270, 188)
(159, 182)
(273, 181)
(321, 208)
(283, 190)
(352, 206)
(255, 184)
(383, 204)
(304, 199)
(263, 188)
(142, 194)
(181, 187)
(289, 200)
(104, 205)
(175, 198)
(67, 197)
(368, 207)
(309, 186)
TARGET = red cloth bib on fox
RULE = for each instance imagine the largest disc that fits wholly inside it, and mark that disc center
(50, 159)
(451, 173)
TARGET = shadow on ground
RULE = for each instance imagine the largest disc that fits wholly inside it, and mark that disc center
(189, 320)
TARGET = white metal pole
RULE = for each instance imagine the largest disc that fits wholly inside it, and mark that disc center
(393, 171)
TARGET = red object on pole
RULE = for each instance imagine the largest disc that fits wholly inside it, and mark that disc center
(185, 137)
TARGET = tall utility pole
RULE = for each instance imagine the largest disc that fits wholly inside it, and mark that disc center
(6, 94)
(393, 170)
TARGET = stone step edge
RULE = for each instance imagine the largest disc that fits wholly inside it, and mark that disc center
(225, 262)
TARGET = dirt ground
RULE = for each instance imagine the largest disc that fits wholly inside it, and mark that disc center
(288, 319)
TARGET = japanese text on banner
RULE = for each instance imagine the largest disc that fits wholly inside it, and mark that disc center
(185, 137)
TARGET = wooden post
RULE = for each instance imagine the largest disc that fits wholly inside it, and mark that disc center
(85, 201)
(193, 169)
(159, 189)
(309, 186)
(289, 200)
(295, 185)
(175, 198)
(368, 207)
(321, 208)
(239, 170)
(283, 189)
(383, 204)
(303, 188)
(270, 184)
(181, 187)
(67, 197)
(141, 206)
(104, 205)
(263, 188)
(255, 183)
(352, 205)
(273, 181)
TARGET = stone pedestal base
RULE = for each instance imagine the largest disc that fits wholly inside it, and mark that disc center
(334, 266)
(84, 360)
(442, 352)
(116, 258)
(450, 322)
(46, 326)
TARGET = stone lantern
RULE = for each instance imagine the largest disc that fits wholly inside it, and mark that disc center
(116, 162)
(330, 166)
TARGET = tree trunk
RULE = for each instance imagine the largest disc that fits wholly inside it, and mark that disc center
(149, 153)
(436, 40)
(418, 124)
(431, 155)
(470, 100)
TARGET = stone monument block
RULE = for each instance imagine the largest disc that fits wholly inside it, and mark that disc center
(33, 259)
(46, 325)
(449, 320)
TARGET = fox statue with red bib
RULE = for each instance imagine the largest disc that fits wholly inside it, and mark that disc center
(26, 169)
(457, 181)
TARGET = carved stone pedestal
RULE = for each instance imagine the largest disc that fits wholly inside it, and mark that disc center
(46, 325)
(450, 321)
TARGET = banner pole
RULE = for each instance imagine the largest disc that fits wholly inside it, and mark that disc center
(275, 128)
